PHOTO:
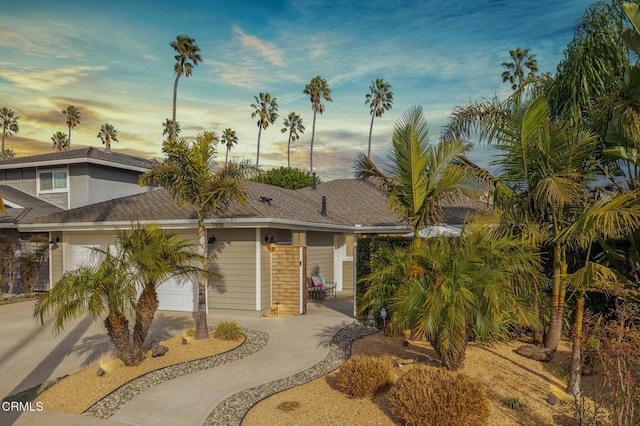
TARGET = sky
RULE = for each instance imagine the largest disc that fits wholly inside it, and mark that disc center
(113, 61)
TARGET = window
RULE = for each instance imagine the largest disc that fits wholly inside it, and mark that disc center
(53, 181)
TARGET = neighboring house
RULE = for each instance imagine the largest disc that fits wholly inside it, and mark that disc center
(316, 228)
(43, 184)
(75, 178)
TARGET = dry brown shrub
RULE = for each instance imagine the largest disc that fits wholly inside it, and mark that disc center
(364, 376)
(430, 396)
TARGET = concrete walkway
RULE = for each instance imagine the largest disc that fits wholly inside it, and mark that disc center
(295, 344)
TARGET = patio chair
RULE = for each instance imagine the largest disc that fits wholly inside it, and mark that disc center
(328, 287)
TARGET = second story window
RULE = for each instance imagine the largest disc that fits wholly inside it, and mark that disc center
(53, 181)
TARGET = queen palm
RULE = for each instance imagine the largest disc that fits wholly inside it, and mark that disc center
(293, 125)
(107, 134)
(60, 141)
(380, 100)
(188, 174)
(318, 89)
(72, 120)
(187, 57)
(122, 287)
(229, 139)
(420, 176)
(9, 122)
(266, 109)
(544, 171)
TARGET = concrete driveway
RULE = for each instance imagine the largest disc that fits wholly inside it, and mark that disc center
(30, 354)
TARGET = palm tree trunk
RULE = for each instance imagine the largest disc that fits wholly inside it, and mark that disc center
(575, 370)
(4, 132)
(175, 98)
(313, 134)
(202, 329)
(258, 156)
(557, 299)
(69, 145)
(147, 307)
(226, 157)
(370, 131)
(289, 151)
(117, 327)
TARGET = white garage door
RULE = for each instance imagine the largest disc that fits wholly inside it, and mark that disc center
(175, 294)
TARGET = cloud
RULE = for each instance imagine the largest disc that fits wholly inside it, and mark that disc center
(12, 39)
(149, 57)
(49, 79)
(269, 51)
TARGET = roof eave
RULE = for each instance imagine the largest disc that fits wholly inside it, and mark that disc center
(64, 162)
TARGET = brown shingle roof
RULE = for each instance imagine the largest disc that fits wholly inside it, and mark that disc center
(31, 206)
(116, 158)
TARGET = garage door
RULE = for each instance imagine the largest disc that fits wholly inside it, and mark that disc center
(176, 294)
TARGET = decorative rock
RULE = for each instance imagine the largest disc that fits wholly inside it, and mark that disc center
(536, 353)
(184, 341)
(157, 349)
(405, 343)
(100, 372)
(552, 399)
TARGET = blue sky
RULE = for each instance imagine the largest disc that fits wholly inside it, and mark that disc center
(113, 61)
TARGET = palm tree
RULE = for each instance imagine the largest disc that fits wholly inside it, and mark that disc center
(421, 176)
(145, 257)
(266, 109)
(317, 90)
(608, 218)
(168, 128)
(187, 57)
(380, 100)
(229, 138)
(60, 141)
(187, 173)
(9, 125)
(293, 125)
(521, 70)
(452, 290)
(107, 134)
(73, 119)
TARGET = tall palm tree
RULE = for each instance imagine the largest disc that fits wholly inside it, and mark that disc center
(73, 119)
(60, 141)
(9, 122)
(187, 57)
(229, 138)
(293, 125)
(168, 128)
(266, 109)
(145, 257)
(420, 175)
(107, 134)
(521, 70)
(380, 100)
(318, 89)
(187, 173)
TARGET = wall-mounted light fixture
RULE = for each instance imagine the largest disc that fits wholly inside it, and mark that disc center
(269, 238)
(54, 240)
(211, 240)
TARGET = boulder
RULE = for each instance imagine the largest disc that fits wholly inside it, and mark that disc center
(536, 353)
(552, 399)
(157, 349)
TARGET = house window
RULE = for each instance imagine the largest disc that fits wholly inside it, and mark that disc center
(53, 181)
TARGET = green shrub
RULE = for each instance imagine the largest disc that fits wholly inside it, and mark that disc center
(227, 330)
(287, 177)
(363, 376)
(430, 396)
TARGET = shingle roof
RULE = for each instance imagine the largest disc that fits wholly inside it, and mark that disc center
(92, 153)
(349, 203)
(31, 206)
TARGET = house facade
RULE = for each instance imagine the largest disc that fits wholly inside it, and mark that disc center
(323, 223)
